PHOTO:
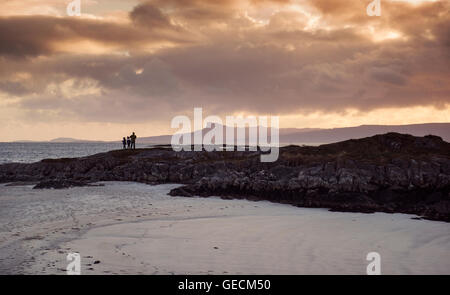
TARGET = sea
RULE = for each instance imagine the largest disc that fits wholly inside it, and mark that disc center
(30, 152)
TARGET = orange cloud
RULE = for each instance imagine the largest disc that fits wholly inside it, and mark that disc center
(280, 57)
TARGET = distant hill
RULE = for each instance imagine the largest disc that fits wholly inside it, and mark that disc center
(341, 134)
(312, 135)
(166, 139)
(323, 136)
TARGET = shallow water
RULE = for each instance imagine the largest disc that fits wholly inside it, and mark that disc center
(34, 152)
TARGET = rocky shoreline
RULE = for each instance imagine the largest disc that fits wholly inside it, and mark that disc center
(393, 173)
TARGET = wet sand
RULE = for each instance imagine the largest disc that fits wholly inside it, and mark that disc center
(130, 228)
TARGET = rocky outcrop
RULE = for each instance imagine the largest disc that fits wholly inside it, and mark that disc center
(388, 173)
(61, 184)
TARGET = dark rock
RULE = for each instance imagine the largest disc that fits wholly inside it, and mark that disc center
(21, 183)
(384, 173)
(182, 191)
(59, 184)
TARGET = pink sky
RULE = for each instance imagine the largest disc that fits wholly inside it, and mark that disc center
(133, 65)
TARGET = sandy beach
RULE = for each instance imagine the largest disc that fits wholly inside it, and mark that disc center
(130, 228)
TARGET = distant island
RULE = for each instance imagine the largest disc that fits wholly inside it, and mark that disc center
(308, 135)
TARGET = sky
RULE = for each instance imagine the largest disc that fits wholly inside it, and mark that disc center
(130, 65)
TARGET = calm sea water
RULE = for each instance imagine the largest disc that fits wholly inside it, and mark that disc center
(14, 152)
(34, 152)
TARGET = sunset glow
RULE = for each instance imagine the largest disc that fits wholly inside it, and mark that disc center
(137, 64)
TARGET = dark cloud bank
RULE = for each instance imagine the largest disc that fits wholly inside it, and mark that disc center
(214, 57)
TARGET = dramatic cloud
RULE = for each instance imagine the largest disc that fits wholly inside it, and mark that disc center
(31, 36)
(163, 57)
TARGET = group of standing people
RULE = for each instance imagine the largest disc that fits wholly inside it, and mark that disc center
(129, 142)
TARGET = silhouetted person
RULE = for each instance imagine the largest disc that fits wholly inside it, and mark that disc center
(133, 140)
(124, 142)
(128, 141)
